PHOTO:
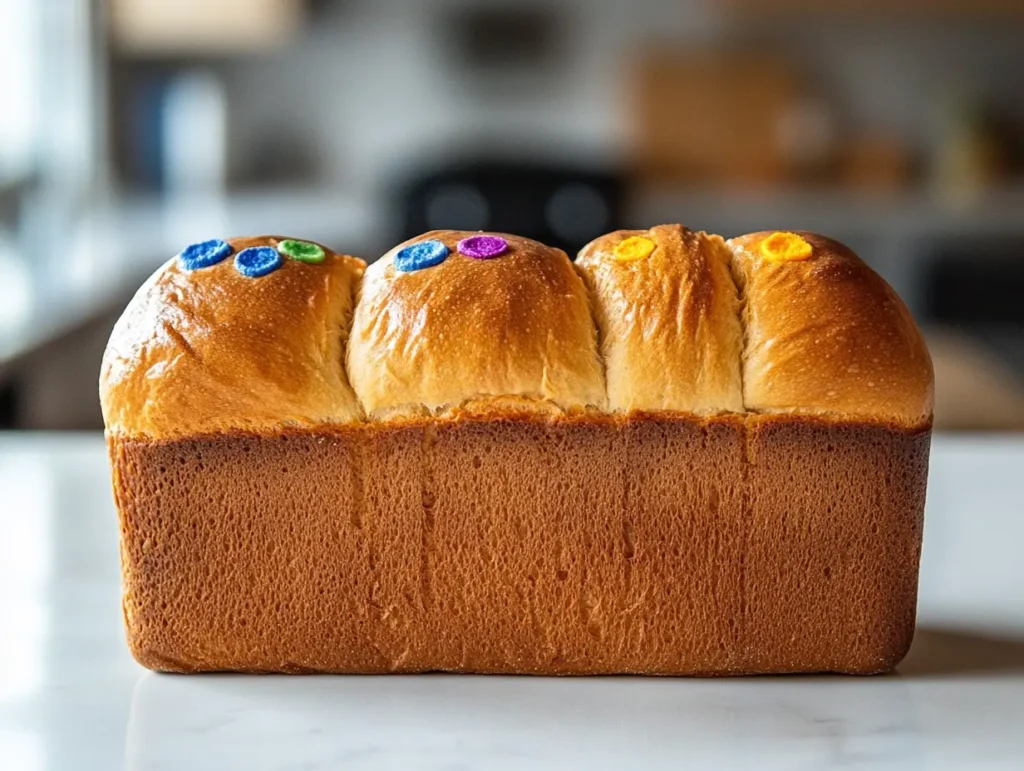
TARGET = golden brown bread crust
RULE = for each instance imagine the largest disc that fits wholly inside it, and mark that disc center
(736, 545)
(827, 335)
(213, 350)
(467, 331)
(669, 324)
(498, 513)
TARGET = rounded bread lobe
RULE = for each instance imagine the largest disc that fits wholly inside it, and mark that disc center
(513, 330)
(668, 320)
(211, 350)
(826, 335)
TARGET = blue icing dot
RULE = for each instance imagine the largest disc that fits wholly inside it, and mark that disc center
(258, 261)
(425, 254)
(204, 254)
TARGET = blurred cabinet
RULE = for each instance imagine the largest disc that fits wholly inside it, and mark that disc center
(207, 27)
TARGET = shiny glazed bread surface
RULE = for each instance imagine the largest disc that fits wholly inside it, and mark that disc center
(700, 326)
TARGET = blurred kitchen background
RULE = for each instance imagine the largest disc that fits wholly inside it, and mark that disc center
(131, 127)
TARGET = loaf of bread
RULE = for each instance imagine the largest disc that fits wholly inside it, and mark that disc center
(679, 455)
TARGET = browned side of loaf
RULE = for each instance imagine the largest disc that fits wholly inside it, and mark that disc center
(656, 545)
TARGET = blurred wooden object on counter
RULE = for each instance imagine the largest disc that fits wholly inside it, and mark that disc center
(974, 391)
(712, 117)
(876, 163)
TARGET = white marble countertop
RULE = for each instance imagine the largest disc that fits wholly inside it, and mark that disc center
(72, 698)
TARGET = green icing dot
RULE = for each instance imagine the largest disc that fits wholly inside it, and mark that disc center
(303, 251)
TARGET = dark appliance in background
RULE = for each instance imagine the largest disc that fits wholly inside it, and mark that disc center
(560, 206)
(977, 281)
(976, 285)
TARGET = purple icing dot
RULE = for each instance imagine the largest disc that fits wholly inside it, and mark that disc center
(483, 247)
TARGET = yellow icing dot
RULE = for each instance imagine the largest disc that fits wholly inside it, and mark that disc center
(783, 247)
(633, 248)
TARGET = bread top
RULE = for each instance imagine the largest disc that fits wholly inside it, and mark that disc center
(211, 350)
(473, 331)
(668, 314)
(661, 320)
(825, 334)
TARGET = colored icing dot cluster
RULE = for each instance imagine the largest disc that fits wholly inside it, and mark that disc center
(784, 247)
(253, 262)
(426, 254)
(632, 249)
